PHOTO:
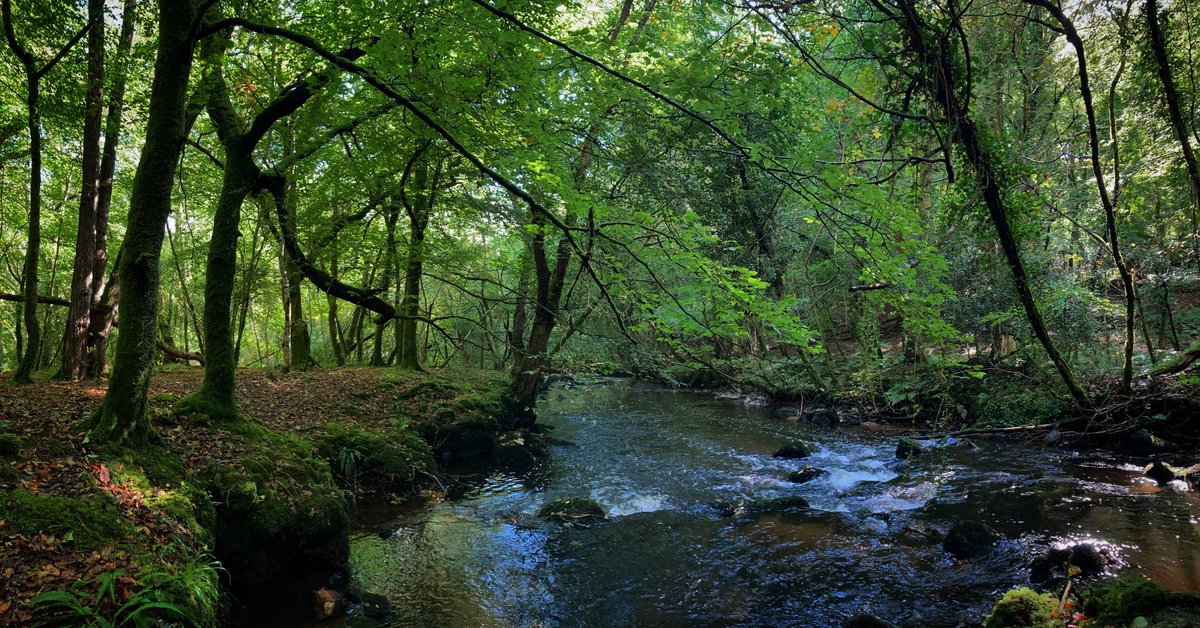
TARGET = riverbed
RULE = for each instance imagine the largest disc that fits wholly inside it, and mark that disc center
(659, 461)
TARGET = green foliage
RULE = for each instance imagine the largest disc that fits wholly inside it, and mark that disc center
(149, 606)
(1009, 402)
(1023, 608)
(389, 459)
(1118, 602)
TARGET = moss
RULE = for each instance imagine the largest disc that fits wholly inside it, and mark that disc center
(93, 522)
(10, 447)
(279, 509)
(390, 459)
(1118, 602)
(1023, 608)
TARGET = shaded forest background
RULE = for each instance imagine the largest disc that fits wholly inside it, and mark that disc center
(983, 209)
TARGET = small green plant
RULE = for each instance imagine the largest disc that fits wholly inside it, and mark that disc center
(348, 459)
(144, 608)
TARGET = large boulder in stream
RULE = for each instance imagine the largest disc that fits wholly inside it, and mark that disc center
(1144, 443)
(970, 539)
(823, 417)
(1086, 559)
(796, 449)
(909, 447)
(573, 510)
(1163, 472)
(807, 474)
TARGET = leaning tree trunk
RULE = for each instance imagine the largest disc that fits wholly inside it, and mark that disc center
(122, 417)
(75, 336)
(1106, 201)
(1158, 44)
(942, 81)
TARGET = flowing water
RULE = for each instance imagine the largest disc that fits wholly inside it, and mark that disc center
(657, 459)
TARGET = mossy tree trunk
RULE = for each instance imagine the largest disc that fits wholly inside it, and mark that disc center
(418, 209)
(122, 417)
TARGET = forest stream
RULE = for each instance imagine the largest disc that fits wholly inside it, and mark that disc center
(657, 460)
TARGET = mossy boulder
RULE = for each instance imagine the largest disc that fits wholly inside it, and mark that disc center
(970, 539)
(93, 522)
(1024, 608)
(795, 450)
(807, 474)
(573, 510)
(10, 447)
(909, 448)
(1118, 602)
(823, 417)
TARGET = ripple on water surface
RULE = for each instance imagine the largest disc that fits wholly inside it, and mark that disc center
(656, 459)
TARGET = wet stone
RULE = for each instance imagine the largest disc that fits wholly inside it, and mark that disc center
(807, 474)
(970, 539)
(796, 449)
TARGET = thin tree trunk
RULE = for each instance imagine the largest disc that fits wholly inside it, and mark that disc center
(1106, 201)
(29, 275)
(1158, 44)
(74, 345)
(104, 294)
(943, 80)
(122, 418)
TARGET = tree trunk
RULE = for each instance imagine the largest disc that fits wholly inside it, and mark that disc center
(1106, 201)
(216, 395)
(1158, 43)
(122, 417)
(942, 82)
(74, 347)
(104, 294)
(29, 275)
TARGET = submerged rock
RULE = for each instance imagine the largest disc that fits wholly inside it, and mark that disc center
(807, 474)
(909, 447)
(1057, 563)
(796, 449)
(327, 604)
(573, 510)
(867, 620)
(969, 539)
(779, 504)
(518, 450)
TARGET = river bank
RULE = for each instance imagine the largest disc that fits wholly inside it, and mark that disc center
(169, 531)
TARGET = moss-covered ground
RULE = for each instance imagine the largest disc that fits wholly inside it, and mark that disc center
(94, 529)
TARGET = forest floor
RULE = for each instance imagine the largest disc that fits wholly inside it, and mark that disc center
(103, 528)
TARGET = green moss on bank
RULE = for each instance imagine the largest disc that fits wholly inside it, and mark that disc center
(92, 521)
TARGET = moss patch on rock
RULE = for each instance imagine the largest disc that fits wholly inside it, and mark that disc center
(1023, 608)
(10, 447)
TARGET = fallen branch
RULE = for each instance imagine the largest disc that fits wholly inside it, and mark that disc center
(1179, 362)
(20, 298)
(994, 430)
(870, 286)
(178, 354)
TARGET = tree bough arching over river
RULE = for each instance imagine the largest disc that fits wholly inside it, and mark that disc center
(432, 269)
